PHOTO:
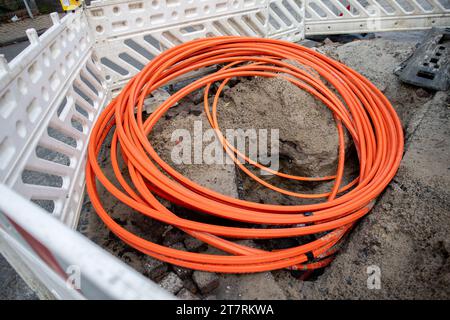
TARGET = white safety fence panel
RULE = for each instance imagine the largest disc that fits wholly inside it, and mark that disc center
(359, 16)
(286, 20)
(50, 96)
(58, 262)
(128, 34)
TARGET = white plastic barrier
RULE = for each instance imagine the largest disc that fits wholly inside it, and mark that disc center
(58, 262)
(50, 95)
(129, 33)
(358, 16)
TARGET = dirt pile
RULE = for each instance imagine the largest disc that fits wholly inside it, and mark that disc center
(404, 240)
(406, 235)
(307, 131)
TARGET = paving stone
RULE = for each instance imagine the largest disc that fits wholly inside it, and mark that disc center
(154, 268)
(185, 294)
(15, 31)
(172, 283)
(206, 281)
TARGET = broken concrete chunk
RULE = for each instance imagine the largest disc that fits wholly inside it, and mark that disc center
(171, 283)
(154, 268)
(186, 295)
(206, 281)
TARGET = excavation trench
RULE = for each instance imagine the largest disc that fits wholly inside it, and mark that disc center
(308, 146)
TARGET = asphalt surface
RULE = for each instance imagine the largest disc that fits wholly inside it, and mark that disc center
(13, 50)
(12, 287)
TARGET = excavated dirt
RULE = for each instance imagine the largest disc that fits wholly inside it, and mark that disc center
(405, 236)
(307, 133)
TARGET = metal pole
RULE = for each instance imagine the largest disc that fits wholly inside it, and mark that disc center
(28, 9)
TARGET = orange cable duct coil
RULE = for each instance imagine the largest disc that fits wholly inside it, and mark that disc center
(364, 111)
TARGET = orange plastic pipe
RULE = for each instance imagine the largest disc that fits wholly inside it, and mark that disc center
(355, 102)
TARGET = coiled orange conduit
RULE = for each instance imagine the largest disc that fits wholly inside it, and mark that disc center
(364, 111)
